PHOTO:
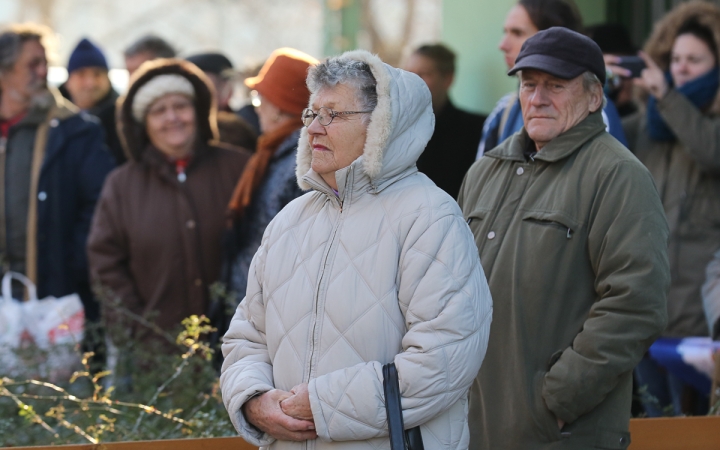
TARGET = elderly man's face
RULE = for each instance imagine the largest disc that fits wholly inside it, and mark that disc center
(87, 86)
(28, 76)
(551, 105)
(339, 144)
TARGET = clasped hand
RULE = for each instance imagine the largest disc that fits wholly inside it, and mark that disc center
(281, 414)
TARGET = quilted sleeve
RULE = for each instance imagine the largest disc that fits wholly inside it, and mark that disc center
(445, 298)
(247, 370)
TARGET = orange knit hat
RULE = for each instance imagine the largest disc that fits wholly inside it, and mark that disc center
(282, 79)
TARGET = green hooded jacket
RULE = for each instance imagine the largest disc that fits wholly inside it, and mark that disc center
(574, 247)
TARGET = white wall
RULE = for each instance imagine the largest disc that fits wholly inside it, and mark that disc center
(247, 31)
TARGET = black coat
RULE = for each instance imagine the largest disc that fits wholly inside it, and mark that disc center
(105, 111)
(452, 148)
(73, 171)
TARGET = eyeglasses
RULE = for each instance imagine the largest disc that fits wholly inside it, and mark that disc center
(324, 115)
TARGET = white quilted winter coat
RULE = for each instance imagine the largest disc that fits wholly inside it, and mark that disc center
(386, 271)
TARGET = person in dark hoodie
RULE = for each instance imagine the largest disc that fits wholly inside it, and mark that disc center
(155, 242)
(88, 87)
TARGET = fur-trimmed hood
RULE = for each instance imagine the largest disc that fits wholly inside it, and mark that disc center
(400, 126)
(659, 45)
(133, 135)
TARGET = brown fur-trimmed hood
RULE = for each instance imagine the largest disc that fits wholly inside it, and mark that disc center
(659, 45)
(132, 134)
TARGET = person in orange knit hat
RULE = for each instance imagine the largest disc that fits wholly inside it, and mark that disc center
(268, 182)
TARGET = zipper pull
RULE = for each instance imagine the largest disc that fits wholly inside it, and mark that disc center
(569, 233)
(469, 220)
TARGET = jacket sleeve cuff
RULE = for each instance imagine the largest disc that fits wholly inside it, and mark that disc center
(249, 432)
(321, 426)
(557, 409)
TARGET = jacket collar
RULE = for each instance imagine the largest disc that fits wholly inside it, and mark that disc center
(561, 147)
(106, 102)
(156, 160)
(48, 106)
(352, 182)
(289, 145)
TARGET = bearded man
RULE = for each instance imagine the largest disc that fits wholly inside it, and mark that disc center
(53, 161)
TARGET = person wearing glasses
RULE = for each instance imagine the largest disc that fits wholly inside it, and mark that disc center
(374, 264)
(268, 182)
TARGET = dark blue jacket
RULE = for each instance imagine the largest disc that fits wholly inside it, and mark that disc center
(75, 166)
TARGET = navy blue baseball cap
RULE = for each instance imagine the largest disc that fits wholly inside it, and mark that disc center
(561, 52)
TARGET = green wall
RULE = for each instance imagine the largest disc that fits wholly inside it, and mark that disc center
(473, 29)
(593, 11)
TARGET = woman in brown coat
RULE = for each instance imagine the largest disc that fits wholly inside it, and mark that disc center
(155, 242)
(677, 137)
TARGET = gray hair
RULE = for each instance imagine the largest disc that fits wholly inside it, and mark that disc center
(156, 46)
(589, 80)
(339, 70)
(12, 40)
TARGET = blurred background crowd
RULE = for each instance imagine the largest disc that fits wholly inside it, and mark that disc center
(164, 140)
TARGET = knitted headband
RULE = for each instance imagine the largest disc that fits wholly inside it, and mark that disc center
(156, 88)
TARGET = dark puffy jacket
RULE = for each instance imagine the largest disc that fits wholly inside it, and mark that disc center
(72, 175)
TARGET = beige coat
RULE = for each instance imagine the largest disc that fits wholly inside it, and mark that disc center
(386, 271)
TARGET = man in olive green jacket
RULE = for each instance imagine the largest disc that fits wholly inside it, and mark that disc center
(573, 238)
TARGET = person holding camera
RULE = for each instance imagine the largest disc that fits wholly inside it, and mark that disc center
(678, 140)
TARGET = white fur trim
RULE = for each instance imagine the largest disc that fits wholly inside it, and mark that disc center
(378, 131)
(156, 88)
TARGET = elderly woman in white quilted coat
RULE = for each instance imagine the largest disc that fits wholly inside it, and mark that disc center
(374, 265)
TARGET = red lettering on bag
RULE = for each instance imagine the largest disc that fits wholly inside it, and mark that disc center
(73, 326)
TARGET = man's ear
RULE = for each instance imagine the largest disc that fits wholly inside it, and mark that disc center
(597, 98)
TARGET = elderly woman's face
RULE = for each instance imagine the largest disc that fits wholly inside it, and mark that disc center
(339, 144)
(170, 125)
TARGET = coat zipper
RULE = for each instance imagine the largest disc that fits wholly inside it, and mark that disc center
(318, 290)
(321, 278)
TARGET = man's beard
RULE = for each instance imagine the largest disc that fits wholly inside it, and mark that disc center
(41, 96)
(36, 94)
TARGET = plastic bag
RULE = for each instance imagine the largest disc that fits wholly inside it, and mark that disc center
(39, 337)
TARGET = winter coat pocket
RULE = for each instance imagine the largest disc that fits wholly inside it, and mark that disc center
(545, 420)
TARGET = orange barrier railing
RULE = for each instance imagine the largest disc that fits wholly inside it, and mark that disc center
(677, 433)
